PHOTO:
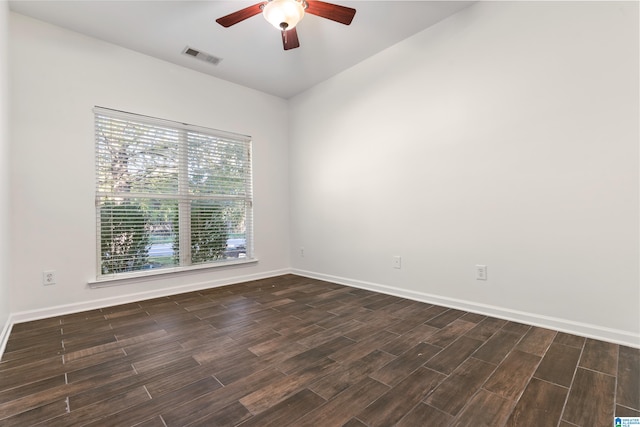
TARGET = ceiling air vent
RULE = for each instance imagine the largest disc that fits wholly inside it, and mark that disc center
(203, 56)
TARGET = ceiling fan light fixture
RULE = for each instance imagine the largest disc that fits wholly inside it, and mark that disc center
(284, 14)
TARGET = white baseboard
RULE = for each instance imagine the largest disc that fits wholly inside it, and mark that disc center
(60, 310)
(563, 325)
(4, 335)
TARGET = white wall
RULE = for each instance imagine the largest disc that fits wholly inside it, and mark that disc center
(5, 306)
(506, 135)
(57, 77)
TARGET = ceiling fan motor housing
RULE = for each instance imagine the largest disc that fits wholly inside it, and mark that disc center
(284, 14)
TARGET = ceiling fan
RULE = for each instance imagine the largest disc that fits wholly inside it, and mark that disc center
(285, 15)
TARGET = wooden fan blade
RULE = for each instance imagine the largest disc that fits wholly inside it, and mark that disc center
(290, 39)
(341, 14)
(240, 15)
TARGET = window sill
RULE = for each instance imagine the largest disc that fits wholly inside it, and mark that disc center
(124, 278)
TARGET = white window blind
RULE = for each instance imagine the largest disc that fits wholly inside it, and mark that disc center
(169, 195)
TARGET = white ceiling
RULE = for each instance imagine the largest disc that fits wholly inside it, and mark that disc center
(251, 51)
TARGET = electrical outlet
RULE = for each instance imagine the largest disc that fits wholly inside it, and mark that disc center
(302, 252)
(481, 272)
(396, 262)
(49, 277)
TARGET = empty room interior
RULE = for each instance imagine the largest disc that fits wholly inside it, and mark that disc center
(387, 213)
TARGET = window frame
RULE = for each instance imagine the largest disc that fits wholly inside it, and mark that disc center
(181, 196)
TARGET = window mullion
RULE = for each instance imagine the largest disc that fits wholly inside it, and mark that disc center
(184, 203)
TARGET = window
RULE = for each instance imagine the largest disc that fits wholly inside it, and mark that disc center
(169, 195)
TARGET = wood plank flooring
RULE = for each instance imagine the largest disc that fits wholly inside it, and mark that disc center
(293, 351)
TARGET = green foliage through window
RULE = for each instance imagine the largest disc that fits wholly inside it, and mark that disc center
(124, 237)
(209, 233)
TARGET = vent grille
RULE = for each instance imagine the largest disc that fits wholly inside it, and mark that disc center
(203, 56)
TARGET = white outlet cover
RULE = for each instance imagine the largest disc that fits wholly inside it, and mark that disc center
(397, 262)
(49, 277)
(481, 272)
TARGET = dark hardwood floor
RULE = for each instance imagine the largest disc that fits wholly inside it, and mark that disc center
(302, 352)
